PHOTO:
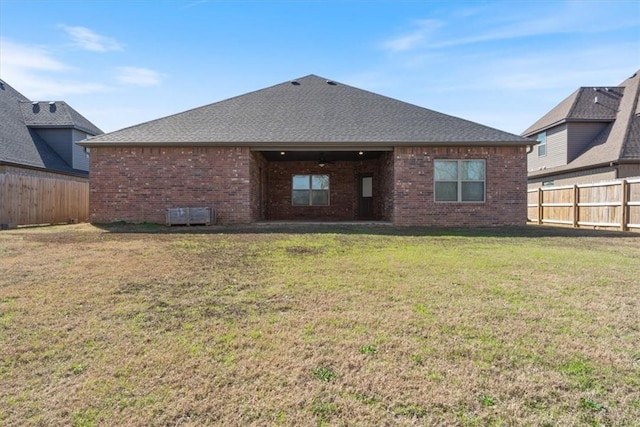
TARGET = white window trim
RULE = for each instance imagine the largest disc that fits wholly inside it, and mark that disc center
(542, 139)
(460, 181)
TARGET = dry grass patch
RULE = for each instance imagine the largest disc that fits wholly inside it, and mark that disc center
(139, 326)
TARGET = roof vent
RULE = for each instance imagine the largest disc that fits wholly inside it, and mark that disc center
(295, 83)
(331, 82)
(34, 103)
(52, 102)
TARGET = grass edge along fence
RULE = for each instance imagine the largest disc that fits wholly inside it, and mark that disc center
(611, 204)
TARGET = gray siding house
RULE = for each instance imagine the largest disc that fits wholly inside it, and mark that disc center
(39, 158)
(592, 135)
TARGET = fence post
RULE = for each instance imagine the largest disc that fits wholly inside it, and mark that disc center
(576, 207)
(540, 208)
(624, 218)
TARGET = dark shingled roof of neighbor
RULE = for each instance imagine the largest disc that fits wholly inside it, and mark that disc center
(308, 110)
(56, 114)
(20, 144)
(619, 106)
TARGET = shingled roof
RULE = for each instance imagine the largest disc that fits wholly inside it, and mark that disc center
(618, 141)
(20, 143)
(581, 106)
(308, 110)
(55, 114)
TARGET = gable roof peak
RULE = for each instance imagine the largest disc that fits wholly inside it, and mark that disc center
(313, 78)
(310, 109)
(587, 103)
(55, 114)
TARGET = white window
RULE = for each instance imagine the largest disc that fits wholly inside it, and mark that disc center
(310, 190)
(542, 144)
(459, 180)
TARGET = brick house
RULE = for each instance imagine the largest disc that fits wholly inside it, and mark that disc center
(311, 149)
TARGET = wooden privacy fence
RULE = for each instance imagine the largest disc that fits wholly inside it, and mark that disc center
(30, 200)
(614, 204)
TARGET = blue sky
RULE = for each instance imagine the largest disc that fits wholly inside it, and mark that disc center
(499, 63)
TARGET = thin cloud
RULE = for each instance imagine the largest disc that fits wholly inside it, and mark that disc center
(529, 28)
(29, 69)
(17, 56)
(86, 39)
(559, 70)
(414, 38)
(488, 85)
(139, 76)
(490, 24)
(37, 87)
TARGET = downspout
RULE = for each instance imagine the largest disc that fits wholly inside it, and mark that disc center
(616, 167)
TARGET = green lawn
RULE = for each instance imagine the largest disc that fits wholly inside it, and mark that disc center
(318, 325)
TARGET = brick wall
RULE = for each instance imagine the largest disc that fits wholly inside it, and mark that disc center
(343, 190)
(506, 183)
(138, 184)
(258, 186)
(386, 185)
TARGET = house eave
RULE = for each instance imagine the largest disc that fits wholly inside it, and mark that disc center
(320, 147)
(542, 173)
(531, 133)
(309, 145)
(629, 160)
(563, 170)
(64, 126)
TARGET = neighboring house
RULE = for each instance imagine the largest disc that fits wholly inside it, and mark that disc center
(38, 140)
(311, 149)
(593, 135)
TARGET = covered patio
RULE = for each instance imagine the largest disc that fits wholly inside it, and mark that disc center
(314, 185)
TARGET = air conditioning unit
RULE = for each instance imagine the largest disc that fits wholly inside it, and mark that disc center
(191, 216)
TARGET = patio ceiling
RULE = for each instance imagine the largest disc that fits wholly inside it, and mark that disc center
(328, 156)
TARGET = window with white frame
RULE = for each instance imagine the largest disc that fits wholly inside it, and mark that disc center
(542, 144)
(459, 180)
(310, 190)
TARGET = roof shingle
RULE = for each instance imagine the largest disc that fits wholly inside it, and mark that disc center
(311, 109)
(619, 141)
(55, 114)
(20, 144)
(586, 103)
